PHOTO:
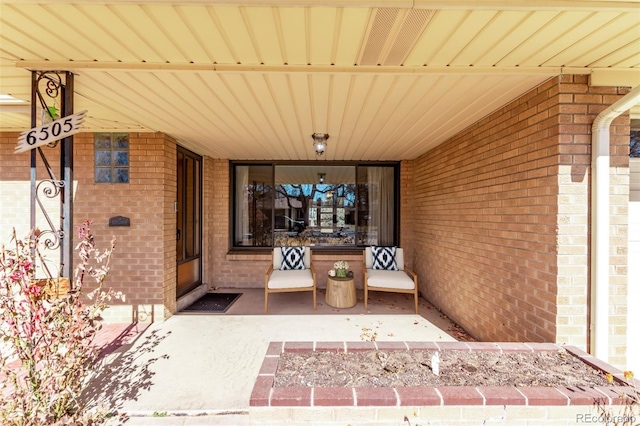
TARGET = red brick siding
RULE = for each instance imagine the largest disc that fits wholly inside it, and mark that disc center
(226, 273)
(208, 220)
(143, 264)
(501, 216)
(485, 212)
(169, 221)
(407, 223)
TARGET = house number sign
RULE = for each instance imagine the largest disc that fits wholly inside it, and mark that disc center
(50, 132)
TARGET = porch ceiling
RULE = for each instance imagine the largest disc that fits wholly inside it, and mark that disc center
(387, 80)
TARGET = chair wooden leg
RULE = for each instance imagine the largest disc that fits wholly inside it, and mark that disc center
(266, 300)
(366, 296)
(315, 300)
(415, 296)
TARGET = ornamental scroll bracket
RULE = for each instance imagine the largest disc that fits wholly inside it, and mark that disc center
(51, 195)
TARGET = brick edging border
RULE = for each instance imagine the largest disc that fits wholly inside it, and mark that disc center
(265, 395)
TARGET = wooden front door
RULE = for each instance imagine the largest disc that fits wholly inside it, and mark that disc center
(189, 221)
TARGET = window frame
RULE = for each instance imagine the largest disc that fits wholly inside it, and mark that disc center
(395, 165)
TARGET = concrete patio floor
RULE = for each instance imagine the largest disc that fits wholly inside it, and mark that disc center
(199, 369)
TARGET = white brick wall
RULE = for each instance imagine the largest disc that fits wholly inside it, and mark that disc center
(633, 318)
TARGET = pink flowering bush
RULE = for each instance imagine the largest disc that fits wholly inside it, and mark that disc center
(46, 350)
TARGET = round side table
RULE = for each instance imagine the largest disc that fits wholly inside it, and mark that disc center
(341, 292)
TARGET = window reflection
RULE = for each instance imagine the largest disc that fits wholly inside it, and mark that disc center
(253, 206)
(320, 206)
(315, 205)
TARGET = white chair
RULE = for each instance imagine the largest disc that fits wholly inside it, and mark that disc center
(402, 280)
(279, 279)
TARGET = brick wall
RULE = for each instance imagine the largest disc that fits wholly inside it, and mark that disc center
(208, 220)
(407, 223)
(166, 167)
(501, 218)
(485, 224)
(143, 264)
(579, 106)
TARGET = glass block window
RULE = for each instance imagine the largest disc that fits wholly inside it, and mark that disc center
(111, 157)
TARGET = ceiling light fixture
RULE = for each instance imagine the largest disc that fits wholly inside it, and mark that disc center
(321, 177)
(320, 142)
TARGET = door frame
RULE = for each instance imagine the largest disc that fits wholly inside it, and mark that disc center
(188, 265)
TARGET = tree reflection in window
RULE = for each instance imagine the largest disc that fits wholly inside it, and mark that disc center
(314, 205)
(308, 212)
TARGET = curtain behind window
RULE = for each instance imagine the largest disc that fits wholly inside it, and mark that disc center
(381, 207)
(253, 206)
(242, 205)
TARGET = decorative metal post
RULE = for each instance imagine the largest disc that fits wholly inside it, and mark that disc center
(66, 168)
(32, 172)
(48, 88)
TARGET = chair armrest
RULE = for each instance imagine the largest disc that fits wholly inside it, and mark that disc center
(411, 274)
(267, 275)
(313, 272)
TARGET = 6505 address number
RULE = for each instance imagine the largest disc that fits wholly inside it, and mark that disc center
(50, 132)
(43, 132)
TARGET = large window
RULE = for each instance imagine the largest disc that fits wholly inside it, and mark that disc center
(333, 205)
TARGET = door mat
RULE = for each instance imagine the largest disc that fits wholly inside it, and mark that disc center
(213, 302)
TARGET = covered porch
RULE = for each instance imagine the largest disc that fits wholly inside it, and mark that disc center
(485, 107)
